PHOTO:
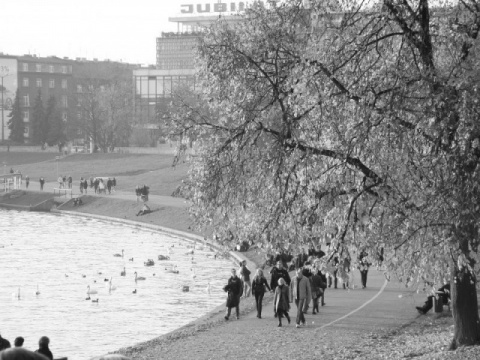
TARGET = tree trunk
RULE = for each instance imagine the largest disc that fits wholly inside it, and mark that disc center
(465, 308)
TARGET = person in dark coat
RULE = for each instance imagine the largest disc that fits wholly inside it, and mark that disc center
(443, 297)
(281, 301)
(109, 185)
(318, 287)
(277, 273)
(234, 289)
(42, 182)
(258, 289)
(4, 343)
(363, 265)
(85, 185)
(43, 347)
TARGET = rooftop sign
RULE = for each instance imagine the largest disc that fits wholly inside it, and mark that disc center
(213, 7)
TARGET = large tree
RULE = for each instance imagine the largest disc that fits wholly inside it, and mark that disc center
(105, 107)
(38, 123)
(15, 123)
(353, 124)
(56, 127)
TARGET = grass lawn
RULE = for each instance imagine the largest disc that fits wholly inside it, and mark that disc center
(13, 159)
(130, 170)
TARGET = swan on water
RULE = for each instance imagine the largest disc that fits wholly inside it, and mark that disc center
(91, 291)
(16, 294)
(208, 288)
(138, 277)
(38, 291)
(111, 287)
(123, 273)
(131, 259)
(95, 300)
(134, 291)
(119, 255)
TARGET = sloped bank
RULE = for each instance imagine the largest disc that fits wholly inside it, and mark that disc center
(27, 201)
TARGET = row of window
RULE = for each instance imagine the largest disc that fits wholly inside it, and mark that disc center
(64, 69)
(26, 116)
(39, 83)
(168, 64)
(26, 101)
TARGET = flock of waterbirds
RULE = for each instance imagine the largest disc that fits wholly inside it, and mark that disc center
(168, 268)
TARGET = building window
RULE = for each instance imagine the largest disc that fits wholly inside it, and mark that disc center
(64, 101)
(64, 117)
(26, 116)
(51, 83)
(64, 69)
(64, 83)
(38, 67)
(39, 82)
(26, 100)
(51, 68)
(25, 67)
(25, 82)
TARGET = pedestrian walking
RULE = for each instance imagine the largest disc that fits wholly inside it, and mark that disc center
(60, 182)
(258, 288)
(42, 182)
(245, 275)
(234, 289)
(281, 301)
(363, 265)
(109, 186)
(70, 181)
(301, 292)
(27, 181)
(114, 184)
(318, 288)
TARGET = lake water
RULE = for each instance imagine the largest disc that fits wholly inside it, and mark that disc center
(62, 255)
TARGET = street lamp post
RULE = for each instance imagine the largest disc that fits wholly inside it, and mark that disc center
(56, 160)
(4, 73)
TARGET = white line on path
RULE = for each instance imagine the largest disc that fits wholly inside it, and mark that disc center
(357, 309)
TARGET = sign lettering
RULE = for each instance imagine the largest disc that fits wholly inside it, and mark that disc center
(217, 7)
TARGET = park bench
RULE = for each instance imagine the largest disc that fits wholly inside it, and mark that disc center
(63, 191)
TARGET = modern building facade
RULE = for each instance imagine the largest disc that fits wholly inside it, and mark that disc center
(175, 68)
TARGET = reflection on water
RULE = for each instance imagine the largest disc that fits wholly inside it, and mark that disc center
(62, 255)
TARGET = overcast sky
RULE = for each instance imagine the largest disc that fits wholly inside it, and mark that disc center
(104, 29)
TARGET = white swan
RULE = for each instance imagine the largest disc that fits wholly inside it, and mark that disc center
(119, 255)
(111, 287)
(137, 278)
(16, 294)
(123, 273)
(193, 273)
(91, 291)
(38, 291)
(208, 288)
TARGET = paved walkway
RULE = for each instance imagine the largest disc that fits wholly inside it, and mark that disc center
(347, 317)
(119, 194)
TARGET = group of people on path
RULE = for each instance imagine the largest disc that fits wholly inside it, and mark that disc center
(18, 352)
(99, 185)
(65, 182)
(142, 192)
(304, 287)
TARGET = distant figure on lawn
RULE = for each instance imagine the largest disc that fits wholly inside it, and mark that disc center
(42, 182)
(27, 181)
(60, 182)
(145, 210)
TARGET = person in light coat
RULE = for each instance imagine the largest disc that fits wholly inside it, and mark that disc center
(301, 292)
